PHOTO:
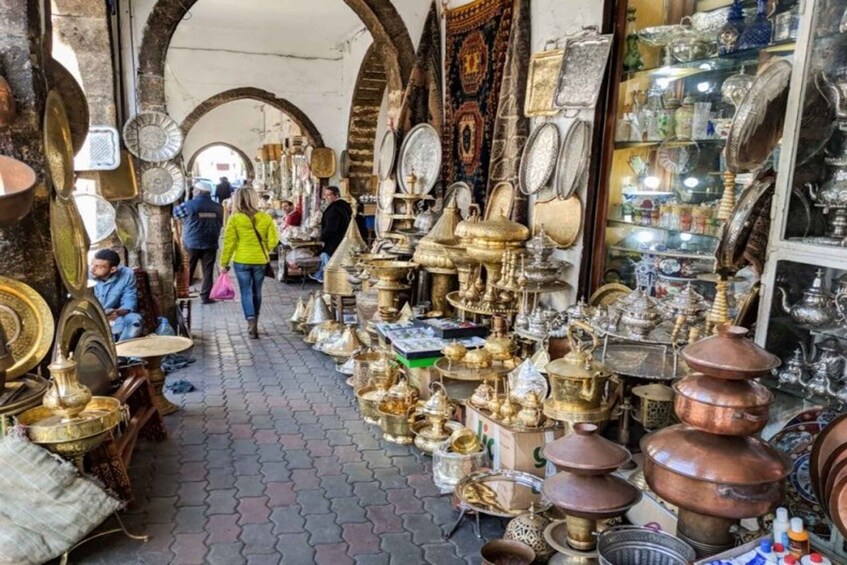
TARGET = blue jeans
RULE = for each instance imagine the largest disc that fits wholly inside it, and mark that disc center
(319, 275)
(250, 279)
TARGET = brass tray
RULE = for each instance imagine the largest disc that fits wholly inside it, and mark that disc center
(757, 125)
(542, 82)
(83, 314)
(128, 226)
(461, 194)
(154, 346)
(754, 201)
(517, 478)
(96, 367)
(27, 323)
(562, 219)
(608, 293)
(162, 184)
(58, 145)
(539, 158)
(420, 154)
(386, 156)
(76, 105)
(120, 184)
(501, 202)
(14, 400)
(323, 162)
(70, 244)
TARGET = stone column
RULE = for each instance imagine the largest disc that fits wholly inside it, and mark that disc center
(25, 248)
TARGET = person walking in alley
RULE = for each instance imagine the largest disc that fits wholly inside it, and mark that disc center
(223, 191)
(202, 220)
(248, 236)
(334, 223)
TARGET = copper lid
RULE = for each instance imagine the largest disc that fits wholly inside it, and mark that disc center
(719, 459)
(729, 355)
(598, 497)
(585, 452)
(723, 392)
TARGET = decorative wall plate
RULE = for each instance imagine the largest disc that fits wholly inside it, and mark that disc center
(387, 154)
(344, 164)
(562, 219)
(73, 97)
(582, 71)
(153, 137)
(573, 158)
(130, 229)
(98, 216)
(460, 192)
(27, 323)
(96, 367)
(420, 155)
(542, 82)
(120, 183)
(539, 158)
(70, 244)
(736, 232)
(501, 201)
(385, 195)
(757, 125)
(162, 184)
(58, 144)
(323, 162)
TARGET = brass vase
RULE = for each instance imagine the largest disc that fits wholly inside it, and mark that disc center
(66, 397)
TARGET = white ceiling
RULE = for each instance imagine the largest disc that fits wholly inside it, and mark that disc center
(299, 28)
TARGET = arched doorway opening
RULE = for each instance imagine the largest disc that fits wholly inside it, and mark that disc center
(220, 159)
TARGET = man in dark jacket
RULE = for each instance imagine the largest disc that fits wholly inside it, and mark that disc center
(224, 190)
(202, 220)
(334, 221)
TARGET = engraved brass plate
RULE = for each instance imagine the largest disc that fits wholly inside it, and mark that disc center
(58, 144)
(323, 162)
(562, 220)
(542, 83)
(70, 244)
(27, 323)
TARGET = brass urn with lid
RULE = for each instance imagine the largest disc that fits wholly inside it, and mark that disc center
(431, 256)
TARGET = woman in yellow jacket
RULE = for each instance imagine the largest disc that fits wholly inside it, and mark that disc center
(248, 237)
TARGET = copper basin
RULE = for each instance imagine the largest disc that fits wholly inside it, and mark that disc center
(506, 552)
(18, 190)
(729, 355)
(590, 497)
(718, 406)
(724, 476)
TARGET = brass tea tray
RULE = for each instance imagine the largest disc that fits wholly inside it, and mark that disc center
(562, 219)
(542, 82)
(27, 323)
(70, 244)
(474, 492)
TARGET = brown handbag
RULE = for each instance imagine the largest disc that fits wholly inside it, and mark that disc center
(269, 271)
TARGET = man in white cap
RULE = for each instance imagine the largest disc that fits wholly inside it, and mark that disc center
(202, 220)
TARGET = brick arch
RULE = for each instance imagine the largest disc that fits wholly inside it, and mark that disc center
(364, 114)
(379, 16)
(248, 163)
(249, 93)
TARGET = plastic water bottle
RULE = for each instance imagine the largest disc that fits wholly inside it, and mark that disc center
(165, 327)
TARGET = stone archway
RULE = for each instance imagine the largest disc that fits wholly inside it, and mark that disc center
(248, 163)
(296, 114)
(379, 16)
(364, 115)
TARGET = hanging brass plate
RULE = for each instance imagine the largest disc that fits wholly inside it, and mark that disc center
(542, 83)
(58, 145)
(76, 105)
(562, 219)
(120, 184)
(70, 244)
(323, 162)
(27, 323)
(501, 201)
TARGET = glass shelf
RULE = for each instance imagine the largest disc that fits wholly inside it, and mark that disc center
(667, 253)
(621, 221)
(717, 141)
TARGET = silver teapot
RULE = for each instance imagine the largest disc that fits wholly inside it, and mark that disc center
(817, 308)
(639, 313)
(836, 92)
(793, 372)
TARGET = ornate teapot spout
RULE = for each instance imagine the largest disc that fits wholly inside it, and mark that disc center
(784, 304)
(839, 392)
(814, 191)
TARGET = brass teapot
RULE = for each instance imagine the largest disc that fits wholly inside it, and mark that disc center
(530, 414)
(498, 344)
(817, 308)
(66, 397)
(577, 381)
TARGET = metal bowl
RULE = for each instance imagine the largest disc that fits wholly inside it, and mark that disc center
(18, 184)
(633, 545)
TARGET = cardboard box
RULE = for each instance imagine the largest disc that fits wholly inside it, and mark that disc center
(518, 450)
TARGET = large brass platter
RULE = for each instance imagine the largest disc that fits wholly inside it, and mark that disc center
(542, 83)
(608, 293)
(76, 105)
(153, 346)
(58, 144)
(120, 184)
(500, 202)
(562, 219)
(28, 324)
(13, 401)
(96, 367)
(323, 162)
(70, 244)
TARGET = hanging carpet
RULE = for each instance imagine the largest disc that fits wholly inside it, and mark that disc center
(422, 102)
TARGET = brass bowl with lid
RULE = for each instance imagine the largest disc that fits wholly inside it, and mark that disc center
(477, 359)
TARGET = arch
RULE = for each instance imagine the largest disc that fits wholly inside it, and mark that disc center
(248, 163)
(249, 93)
(379, 16)
(364, 115)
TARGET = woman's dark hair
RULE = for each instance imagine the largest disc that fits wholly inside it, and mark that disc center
(108, 255)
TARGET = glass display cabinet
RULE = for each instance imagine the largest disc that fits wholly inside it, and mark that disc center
(668, 190)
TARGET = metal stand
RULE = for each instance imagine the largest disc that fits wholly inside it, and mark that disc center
(464, 511)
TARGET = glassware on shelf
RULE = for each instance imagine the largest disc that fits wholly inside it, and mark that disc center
(700, 120)
(684, 117)
(730, 32)
(660, 36)
(757, 34)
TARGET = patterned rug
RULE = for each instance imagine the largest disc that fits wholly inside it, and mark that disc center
(477, 42)
(422, 100)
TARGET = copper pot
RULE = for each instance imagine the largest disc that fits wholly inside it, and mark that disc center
(585, 452)
(506, 552)
(592, 497)
(729, 355)
(732, 408)
(724, 476)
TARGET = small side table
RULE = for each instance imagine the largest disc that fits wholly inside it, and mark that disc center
(153, 349)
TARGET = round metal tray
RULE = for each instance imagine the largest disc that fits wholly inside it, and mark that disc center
(421, 155)
(517, 478)
(649, 362)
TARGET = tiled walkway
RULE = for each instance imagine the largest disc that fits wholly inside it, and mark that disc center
(269, 462)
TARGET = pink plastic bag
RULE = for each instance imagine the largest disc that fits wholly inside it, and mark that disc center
(222, 289)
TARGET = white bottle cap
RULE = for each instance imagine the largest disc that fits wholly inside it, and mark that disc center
(782, 514)
(796, 524)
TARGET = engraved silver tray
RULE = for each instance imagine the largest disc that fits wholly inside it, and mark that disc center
(162, 184)
(385, 194)
(573, 158)
(420, 154)
(582, 71)
(539, 158)
(736, 232)
(153, 137)
(387, 153)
